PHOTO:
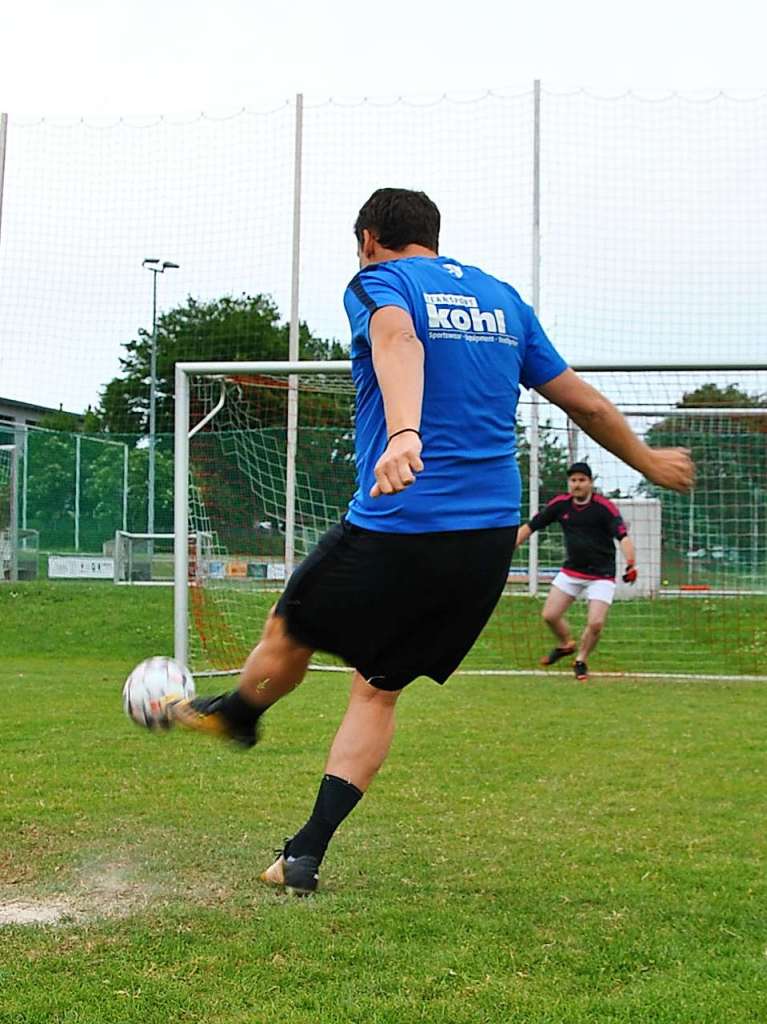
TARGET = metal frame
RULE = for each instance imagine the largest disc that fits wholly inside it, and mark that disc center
(120, 536)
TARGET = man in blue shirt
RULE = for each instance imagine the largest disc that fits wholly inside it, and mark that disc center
(403, 586)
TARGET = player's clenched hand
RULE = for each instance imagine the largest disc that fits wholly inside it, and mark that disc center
(630, 575)
(672, 468)
(397, 467)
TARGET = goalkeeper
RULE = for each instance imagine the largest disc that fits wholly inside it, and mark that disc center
(591, 524)
(404, 584)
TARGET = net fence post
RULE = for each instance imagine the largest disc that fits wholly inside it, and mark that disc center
(24, 477)
(13, 569)
(77, 491)
(534, 484)
(125, 486)
(293, 350)
(3, 146)
(181, 518)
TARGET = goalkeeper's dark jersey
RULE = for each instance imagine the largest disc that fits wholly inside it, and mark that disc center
(590, 533)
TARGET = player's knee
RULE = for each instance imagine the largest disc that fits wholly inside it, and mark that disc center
(371, 694)
(549, 616)
(596, 627)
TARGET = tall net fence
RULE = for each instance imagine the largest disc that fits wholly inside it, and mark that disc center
(74, 490)
(698, 607)
(637, 224)
(651, 241)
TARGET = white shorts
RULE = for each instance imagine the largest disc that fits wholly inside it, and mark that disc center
(592, 590)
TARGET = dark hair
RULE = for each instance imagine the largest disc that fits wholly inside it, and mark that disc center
(399, 217)
(580, 467)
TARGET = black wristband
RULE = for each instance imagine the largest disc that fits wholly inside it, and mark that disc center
(405, 430)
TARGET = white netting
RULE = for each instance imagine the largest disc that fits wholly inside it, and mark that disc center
(698, 607)
(653, 229)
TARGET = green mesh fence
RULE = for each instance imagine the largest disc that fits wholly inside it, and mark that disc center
(77, 489)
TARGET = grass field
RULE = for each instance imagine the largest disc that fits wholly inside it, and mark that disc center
(700, 634)
(534, 851)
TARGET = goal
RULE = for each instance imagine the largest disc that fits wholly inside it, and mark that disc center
(147, 558)
(265, 464)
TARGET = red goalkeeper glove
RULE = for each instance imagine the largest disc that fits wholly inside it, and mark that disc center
(630, 575)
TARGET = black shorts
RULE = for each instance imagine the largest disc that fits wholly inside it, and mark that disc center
(396, 605)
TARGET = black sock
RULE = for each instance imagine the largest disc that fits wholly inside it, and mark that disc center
(238, 711)
(335, 800)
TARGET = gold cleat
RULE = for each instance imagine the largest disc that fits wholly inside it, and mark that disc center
(204, 714)
(180, 711)
(298, 876)
(275, 873)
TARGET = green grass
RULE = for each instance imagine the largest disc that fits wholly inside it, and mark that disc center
(534, 851)
(693, 635)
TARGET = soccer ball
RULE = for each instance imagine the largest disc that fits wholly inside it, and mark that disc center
(147, 687)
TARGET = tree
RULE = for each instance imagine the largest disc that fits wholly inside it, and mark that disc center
(553, 461)
(246, 327)
(730, 495)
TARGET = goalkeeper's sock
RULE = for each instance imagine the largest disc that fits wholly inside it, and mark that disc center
(336, 799)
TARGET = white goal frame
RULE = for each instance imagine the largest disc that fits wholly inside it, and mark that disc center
(184, 432)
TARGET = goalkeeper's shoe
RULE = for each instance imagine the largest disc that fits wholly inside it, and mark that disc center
(297, 875)
(204, 714)
(556, 653)
(581, 671)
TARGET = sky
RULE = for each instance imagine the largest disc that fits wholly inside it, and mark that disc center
(82, 210)
(102, 57)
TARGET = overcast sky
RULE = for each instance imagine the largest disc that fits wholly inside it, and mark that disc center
(82, 208)
(107, 57)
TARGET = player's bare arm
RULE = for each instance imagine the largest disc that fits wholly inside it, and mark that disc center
(629, 551)
(626, 545)
(601, 420)
(398, 363)
(522, 534)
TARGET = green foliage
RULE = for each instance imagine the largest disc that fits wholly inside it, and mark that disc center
(730, 453)
(245, 327)
(552, 462)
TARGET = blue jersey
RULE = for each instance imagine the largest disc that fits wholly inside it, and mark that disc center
(480, 342)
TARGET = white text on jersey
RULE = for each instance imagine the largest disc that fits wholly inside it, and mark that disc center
(462, 313)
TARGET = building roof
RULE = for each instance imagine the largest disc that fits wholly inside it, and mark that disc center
(14, 403)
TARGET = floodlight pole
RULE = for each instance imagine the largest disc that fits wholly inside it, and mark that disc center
(151, 264)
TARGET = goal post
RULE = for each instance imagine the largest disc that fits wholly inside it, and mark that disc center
(701, 598)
